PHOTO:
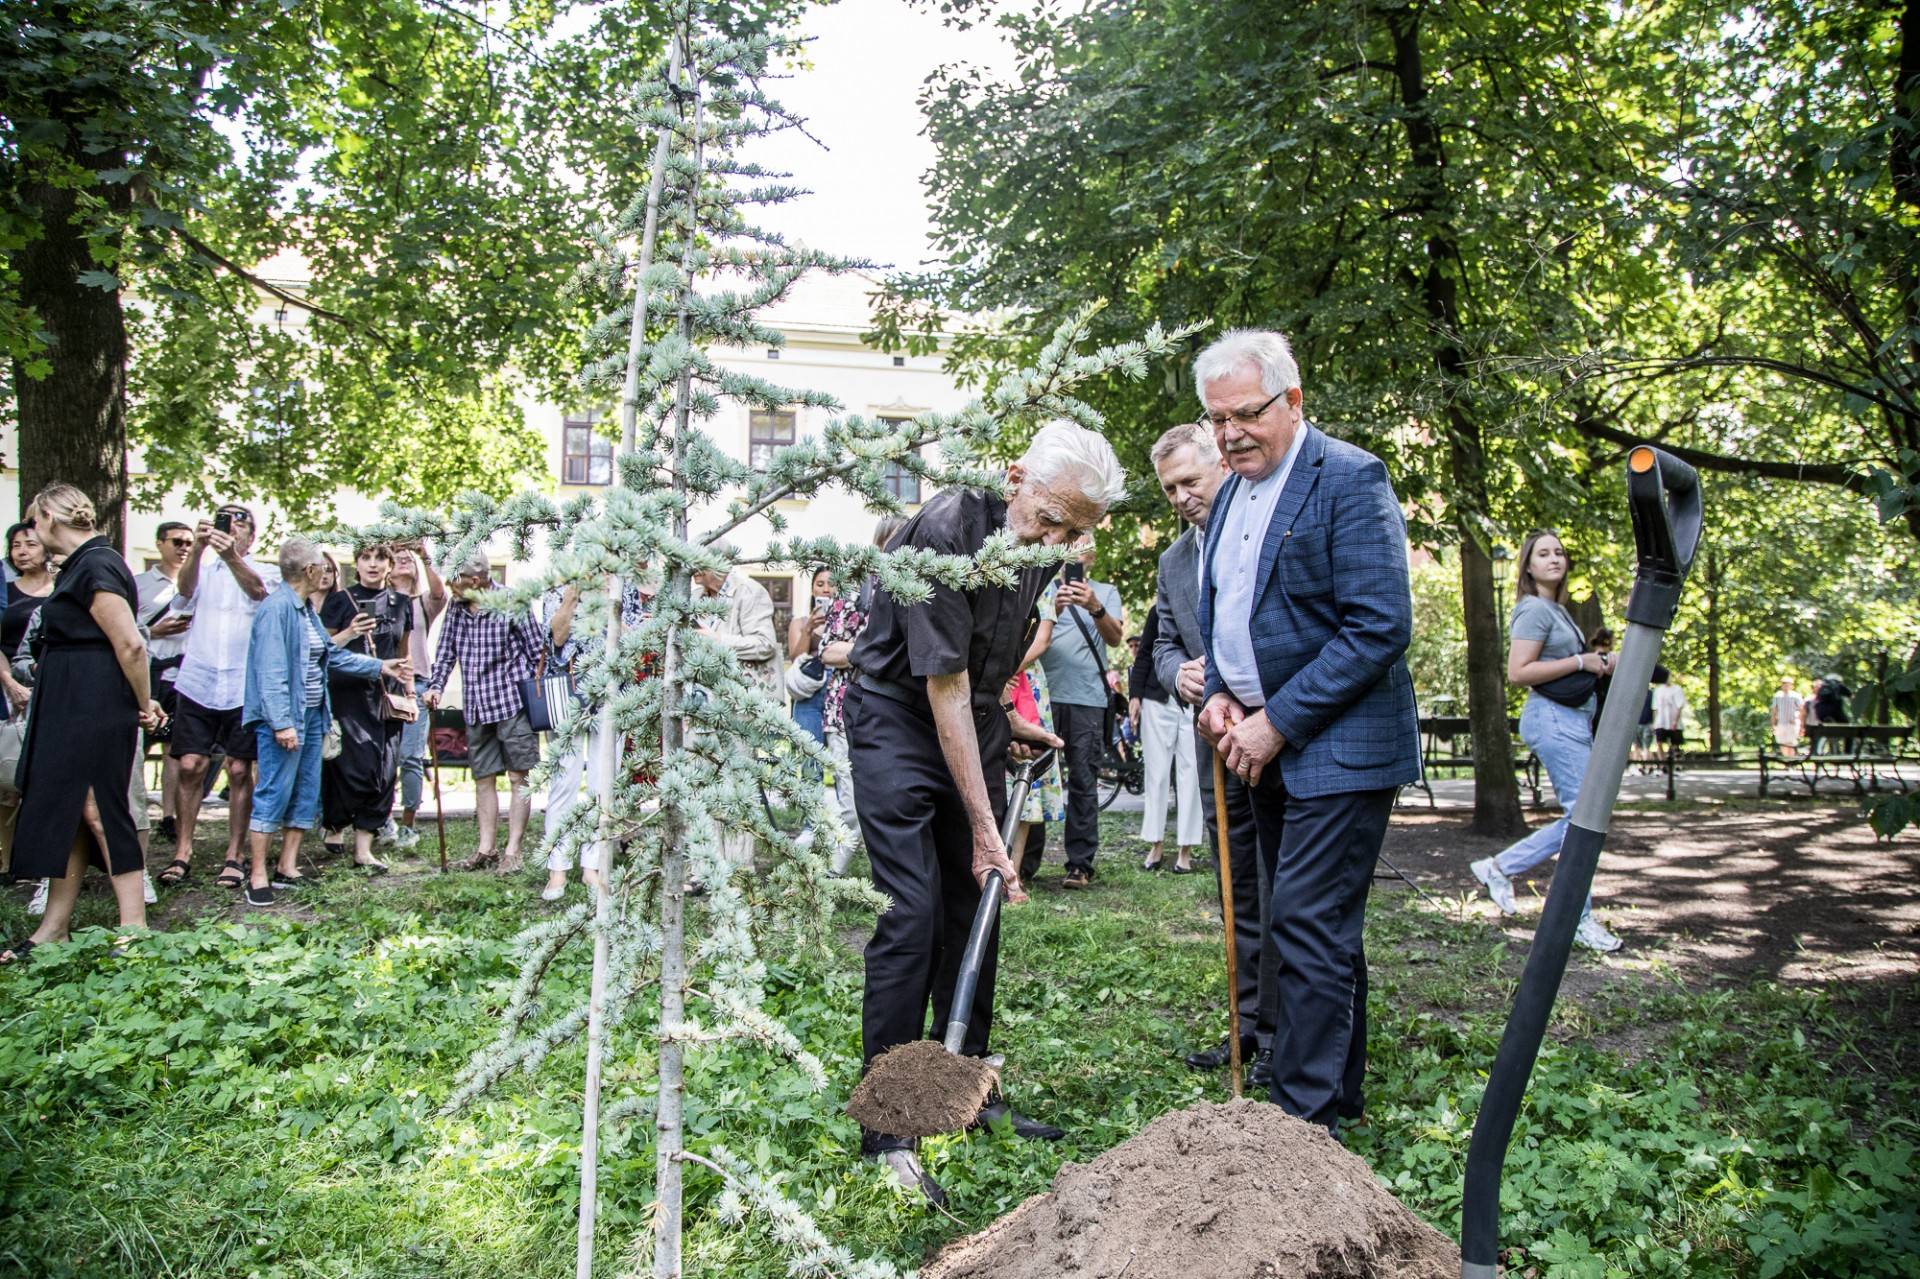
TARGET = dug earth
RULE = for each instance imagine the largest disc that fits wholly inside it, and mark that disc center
(1238, 1191)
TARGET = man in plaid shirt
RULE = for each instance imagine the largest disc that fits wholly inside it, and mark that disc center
(494, 653)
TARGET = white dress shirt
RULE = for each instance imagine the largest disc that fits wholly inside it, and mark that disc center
(156, 590)
(1236, 562)
(215, 672)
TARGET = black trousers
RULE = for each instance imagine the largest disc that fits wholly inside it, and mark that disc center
(1250, 870)
(921, 850)
(1323, 851)
(1083, 729)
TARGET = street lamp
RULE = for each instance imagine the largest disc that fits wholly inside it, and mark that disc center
(1500, 557)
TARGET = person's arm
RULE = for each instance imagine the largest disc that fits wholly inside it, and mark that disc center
(243, 575)
(799, 634)
(436, 601)
(951, 697)
(345, 661)
(112, 616)
(187, 581)
(443, 658)
(1042, 640)
(1165, 653)
(1112, 621)
(1525, 668)
(755, 642)
(561, 625)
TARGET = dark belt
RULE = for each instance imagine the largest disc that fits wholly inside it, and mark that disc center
(909, 695)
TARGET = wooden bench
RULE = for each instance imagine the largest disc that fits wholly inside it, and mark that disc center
(1446, 741)
(1855, 753)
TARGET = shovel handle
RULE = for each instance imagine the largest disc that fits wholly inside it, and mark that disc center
(960, 1016)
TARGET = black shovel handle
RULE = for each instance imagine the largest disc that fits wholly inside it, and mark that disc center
(960, 1016)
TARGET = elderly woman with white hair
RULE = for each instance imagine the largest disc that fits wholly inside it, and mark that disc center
(289, 658)
(928, 740)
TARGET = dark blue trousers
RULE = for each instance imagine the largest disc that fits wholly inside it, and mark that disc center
(1323, 852)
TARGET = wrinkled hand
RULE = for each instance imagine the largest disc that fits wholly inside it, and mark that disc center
(222, 543)
(1250, 746)
(287, 740)
(1219, 715)
(1074, 595)
(1030, 739)
(18, 695)
(430, 699)
(153, 716)
(170, 625)
(202, 532)
(989, 855)
(1191, 682)
(397, 668)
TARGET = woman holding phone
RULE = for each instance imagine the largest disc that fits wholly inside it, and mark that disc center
(1549, 657)
(357, 785)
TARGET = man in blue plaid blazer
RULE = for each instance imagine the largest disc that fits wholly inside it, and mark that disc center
(1306, 611)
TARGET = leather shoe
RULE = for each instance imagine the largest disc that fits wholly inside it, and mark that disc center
(1215, 1057)
(1027, 1129)
(1261, 1076)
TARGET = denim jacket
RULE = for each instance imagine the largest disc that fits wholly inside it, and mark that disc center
(276, 675)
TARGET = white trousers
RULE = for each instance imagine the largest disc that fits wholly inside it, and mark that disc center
(1166, 732)
(842, 796)
(563, 792)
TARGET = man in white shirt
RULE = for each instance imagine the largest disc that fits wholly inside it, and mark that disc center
(1669, 712)
(166, 642)
(1789, 717)
(211, 684)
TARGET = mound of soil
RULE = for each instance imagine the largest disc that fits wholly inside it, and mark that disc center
(919, 1089)
(1235, 1191)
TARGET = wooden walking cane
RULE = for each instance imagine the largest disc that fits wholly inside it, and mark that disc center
(439, 809)
(1221, 856)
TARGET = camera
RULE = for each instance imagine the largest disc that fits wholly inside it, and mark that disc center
(1073, 571)
(223, 522)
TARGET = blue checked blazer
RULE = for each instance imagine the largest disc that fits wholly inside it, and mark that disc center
(1332, 616)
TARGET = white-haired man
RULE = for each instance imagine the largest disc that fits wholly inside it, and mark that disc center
(928, 737)
(1305, 603)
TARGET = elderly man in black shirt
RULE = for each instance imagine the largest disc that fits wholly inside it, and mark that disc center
(928, 737)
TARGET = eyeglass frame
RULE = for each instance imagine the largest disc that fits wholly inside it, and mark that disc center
(1235, 415)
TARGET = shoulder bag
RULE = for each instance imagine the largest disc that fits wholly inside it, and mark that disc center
(1571, 690)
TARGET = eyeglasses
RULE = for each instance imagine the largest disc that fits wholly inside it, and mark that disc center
(179, 541)
(1240, 417)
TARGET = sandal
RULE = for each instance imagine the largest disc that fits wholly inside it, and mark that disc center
(18, 952)
(175, 873)
(373, 867)
(232, 875)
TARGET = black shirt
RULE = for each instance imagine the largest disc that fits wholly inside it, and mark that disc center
(1142, 682)
(984, 632)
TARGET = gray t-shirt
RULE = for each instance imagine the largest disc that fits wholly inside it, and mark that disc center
(1073, 673)
(1540, 619)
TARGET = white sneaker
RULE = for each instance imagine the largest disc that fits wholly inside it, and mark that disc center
(1499, 887)
(554, 892)
(1594, 936)
(146, 886)
(38, 906)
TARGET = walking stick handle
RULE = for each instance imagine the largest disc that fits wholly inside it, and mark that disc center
(1222, 858)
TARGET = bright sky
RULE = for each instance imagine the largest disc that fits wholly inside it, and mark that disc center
(869, 58)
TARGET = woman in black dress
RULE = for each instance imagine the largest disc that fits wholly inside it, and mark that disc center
(357, 785)
(90, 700)
(24, 596)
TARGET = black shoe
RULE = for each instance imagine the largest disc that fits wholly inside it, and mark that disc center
(1077, 877)
(1026, 1129)
(1217, 1056)
(1261, 1076)
(259, 896)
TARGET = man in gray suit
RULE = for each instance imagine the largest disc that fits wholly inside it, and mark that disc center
(1190, 470)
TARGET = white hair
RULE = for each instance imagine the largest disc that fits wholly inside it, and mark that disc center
(1063, 452)
(475, 565)
(1186, 435)
(1265, 349)
(297, 555)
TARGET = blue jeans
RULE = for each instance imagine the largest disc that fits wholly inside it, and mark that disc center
(287, 791)
(1562, 736)
(413, 752)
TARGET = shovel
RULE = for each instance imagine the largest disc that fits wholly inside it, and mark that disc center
(924, 1088)
(1663, 494)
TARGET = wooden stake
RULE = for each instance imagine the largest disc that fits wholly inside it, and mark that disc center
(1223, 857)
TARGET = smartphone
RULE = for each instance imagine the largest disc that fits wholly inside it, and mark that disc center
(223, 522)
(1073, 571)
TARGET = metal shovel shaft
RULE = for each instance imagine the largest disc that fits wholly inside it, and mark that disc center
(988, 914)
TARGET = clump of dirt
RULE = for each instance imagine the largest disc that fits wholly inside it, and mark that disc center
(920, 1089)
(1235, 1191)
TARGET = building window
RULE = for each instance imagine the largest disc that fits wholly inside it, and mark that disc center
(899, 361)
(773, 353)
(781, 590)
(767, 431)
(586, 455)
(901, 483)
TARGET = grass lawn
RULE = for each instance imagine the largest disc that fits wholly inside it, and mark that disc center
(255, 1095)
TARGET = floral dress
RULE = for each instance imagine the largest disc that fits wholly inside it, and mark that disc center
(1046, 802)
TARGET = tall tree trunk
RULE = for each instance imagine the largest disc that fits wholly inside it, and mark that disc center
(1496, 791)
(1713, 652)
(73, 424)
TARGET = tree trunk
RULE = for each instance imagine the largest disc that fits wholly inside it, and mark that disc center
(1713, 653)
(1496, 791)
(73, 424)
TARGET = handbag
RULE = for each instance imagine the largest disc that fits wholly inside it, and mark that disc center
(1573, 689)
(806, 676)
(549, 700)
(13, 742)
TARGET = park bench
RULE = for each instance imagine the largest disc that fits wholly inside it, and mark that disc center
(1855, 753)
(1446, 741)
(1671, 759)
